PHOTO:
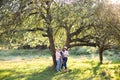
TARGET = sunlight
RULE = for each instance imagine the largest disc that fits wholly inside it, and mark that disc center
(115, 1)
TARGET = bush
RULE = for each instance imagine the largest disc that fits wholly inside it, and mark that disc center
(83, 50)
(107, 52)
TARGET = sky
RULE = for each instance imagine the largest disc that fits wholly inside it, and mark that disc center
(69, 1)
(66, 1)
(115, 1)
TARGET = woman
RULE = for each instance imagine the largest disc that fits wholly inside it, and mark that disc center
(65, 58)
(58, 60)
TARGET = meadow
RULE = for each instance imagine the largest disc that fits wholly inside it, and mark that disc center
(37, 65)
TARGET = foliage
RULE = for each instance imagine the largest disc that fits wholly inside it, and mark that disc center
(22, 17)
(83, 50)
(79, 23)
(74, 19)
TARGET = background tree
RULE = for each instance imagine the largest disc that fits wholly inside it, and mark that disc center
(104, 31)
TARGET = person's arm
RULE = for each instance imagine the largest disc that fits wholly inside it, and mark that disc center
(67, 53)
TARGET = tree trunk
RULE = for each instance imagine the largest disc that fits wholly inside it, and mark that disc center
(68, 37)
(101, 55)
(52, 45)
(67, 44)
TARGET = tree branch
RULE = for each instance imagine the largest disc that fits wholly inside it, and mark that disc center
(23, 30)
(77, 31)
(34, 29)
(83, 44)
(80, 29)
(84, 39)
(44, 35)
(79, 40)
(33, 13)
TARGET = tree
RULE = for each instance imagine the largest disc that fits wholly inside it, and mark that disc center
(74, 18)
(104, 31)
(87, 24)
(22, 10)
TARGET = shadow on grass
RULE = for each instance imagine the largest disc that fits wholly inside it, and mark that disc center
(8, 74)
(96, 68)
(80, 73)
(69, 75)
(46, 74)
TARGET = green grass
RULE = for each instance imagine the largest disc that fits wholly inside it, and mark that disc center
(82, 67)
(23, 54)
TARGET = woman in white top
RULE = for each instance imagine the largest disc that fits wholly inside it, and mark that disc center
(58, 60)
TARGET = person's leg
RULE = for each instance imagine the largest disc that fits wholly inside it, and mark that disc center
(57, 65)
(65, 62)
(60, 64)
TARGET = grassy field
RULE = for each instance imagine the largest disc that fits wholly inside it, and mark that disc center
(36, 65)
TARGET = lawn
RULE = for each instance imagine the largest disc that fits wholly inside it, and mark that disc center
(38, 67)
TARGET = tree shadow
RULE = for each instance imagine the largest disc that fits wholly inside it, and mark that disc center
(47, 74)
(8, 74)
(96, 68)
(69, 75)
(11, 74)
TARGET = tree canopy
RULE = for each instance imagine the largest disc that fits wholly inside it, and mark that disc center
(59, 23)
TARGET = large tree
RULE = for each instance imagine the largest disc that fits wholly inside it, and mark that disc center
(74, 18)
(106, 27)
(21, 14)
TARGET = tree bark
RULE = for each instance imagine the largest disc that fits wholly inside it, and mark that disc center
(52, 45)
(48, 20)
(101, 55)
(68, 37)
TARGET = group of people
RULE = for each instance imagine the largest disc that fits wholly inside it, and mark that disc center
(61, 59)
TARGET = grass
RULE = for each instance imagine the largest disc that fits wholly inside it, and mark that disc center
(30, 67)
(23, 54)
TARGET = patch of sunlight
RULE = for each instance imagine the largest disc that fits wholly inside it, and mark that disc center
(5, 73)
(83, 65)
(115, 1)
(111, 66)
(86, 74)
(18, 58)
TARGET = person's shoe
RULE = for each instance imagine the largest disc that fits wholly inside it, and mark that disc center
(58, 71)
(65, 71)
